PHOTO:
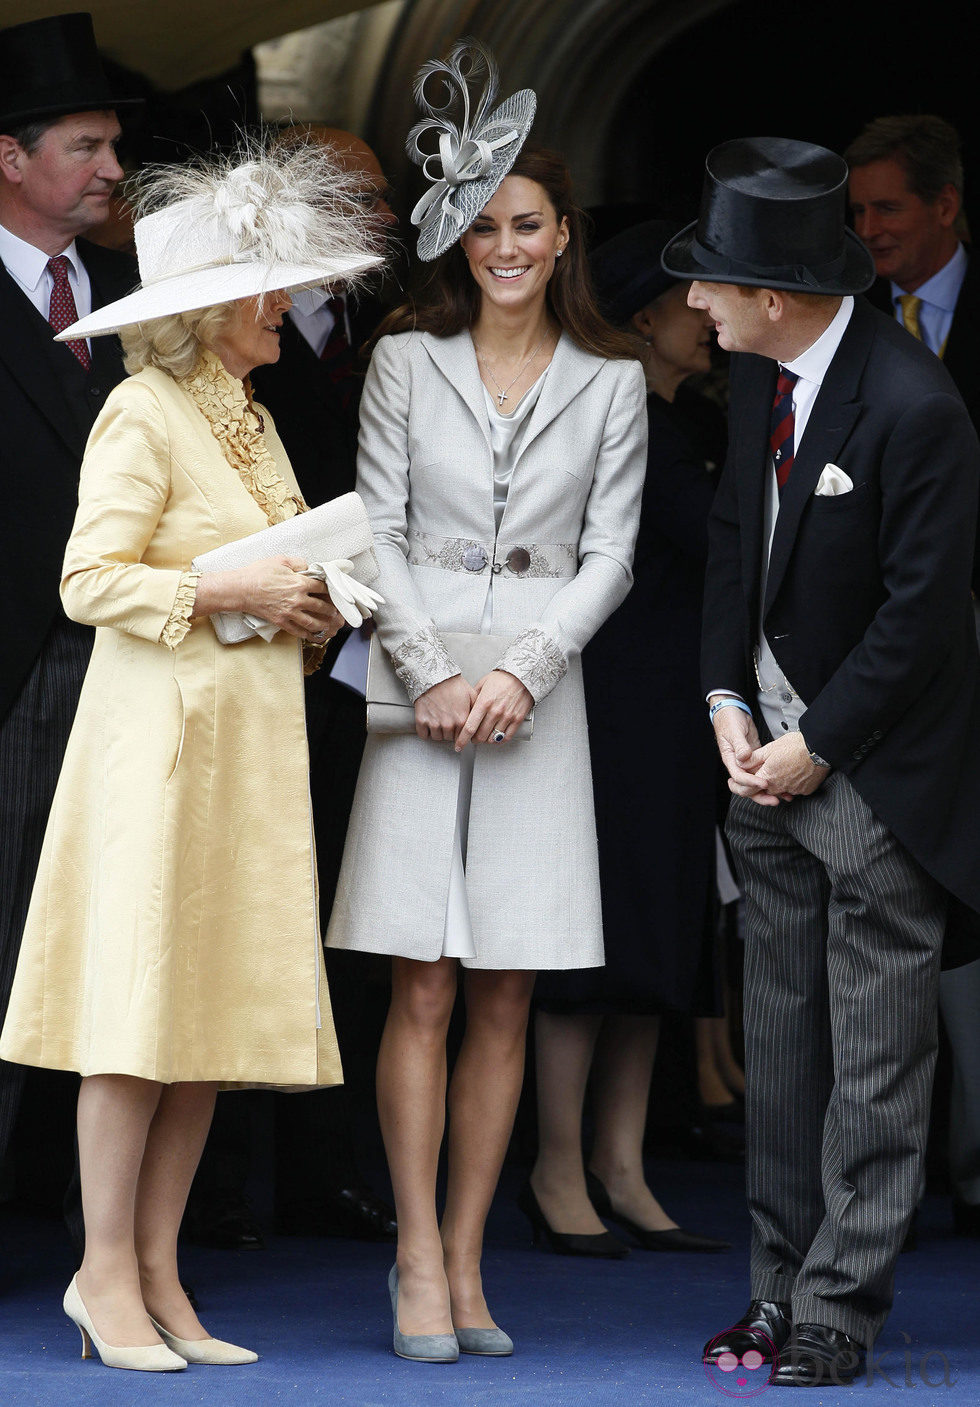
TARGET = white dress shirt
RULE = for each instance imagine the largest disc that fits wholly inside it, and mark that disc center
(315, 324)
(28, 267)
(781, 706)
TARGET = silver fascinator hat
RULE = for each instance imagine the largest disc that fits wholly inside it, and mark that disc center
(475, 153)
(269, 217)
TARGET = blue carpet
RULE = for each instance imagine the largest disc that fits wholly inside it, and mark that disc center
(603, 1334)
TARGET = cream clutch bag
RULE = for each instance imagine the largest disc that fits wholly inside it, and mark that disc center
(388, 706)
(334, 531)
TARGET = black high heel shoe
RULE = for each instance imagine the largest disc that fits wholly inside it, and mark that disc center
(675, 1238)
(567, 1243)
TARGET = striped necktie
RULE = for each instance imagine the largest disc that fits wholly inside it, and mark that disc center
(781, 426)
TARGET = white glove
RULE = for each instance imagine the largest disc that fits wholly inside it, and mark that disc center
(352, 600)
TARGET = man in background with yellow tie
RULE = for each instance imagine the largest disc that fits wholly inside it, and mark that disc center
(906, 194)
(906, 197)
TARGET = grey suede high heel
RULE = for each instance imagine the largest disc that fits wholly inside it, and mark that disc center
(421, 1348)
(492, 1343)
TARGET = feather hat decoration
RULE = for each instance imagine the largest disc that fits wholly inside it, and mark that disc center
(474, 153)
(270, 217)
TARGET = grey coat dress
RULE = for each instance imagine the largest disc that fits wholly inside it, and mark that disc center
(425, 472)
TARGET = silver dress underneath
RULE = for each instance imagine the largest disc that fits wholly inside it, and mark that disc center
(506, 438)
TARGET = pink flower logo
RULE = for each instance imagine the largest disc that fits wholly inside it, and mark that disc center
(744, 1376)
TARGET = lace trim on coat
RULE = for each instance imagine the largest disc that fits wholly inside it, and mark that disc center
(464, 554)
(537, 661)
(422, 661)
(226, 403)
(179, 621)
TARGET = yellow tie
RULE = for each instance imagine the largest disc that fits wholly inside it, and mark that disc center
(910, 305)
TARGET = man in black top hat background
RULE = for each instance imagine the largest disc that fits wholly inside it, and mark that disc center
(58, 167)
(840, 661)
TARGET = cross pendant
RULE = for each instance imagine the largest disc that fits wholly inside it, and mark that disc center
(501, 398)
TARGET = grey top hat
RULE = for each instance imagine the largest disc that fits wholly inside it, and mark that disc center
(772, 216)
(51, 67)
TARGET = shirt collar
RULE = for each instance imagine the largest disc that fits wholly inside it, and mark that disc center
(812, 364)
(26, 262)
(943, 289)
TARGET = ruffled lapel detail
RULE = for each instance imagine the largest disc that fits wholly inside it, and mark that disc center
(226, 404)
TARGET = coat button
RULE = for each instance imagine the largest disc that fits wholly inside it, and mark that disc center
(786, 698)
(474, 557)
(518, 559)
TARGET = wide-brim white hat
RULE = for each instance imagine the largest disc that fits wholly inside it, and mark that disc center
(277, 220)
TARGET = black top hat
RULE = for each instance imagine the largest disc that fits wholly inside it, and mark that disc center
(772, 216)
(626, 269)
(51, 67)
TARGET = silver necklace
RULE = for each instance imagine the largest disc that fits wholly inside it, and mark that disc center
(502, 390)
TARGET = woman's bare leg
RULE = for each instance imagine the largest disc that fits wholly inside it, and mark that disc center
(564, 1046)
(173, 1150)
(412, 1111)
(620, 1098)
(483, 1095)
(720, 1077)
(114, 1117)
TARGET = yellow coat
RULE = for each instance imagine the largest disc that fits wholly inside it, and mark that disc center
(173, 930)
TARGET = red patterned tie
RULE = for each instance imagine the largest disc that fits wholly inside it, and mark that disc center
(338, 354)
(62, 311)
(781, 427)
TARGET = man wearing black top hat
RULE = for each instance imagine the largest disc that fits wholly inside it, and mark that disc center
(58, 131)
(840, 662)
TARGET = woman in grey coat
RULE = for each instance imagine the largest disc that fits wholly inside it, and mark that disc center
(502, 454)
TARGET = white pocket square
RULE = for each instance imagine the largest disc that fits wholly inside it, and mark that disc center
(832, 481)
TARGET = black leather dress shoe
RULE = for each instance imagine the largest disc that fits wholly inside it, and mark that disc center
(675, 1238)
(966, 1218)
(817, 1356)
(765, 1326)
(355, 1212)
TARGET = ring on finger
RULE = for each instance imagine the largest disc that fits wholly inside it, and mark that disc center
(498, 737)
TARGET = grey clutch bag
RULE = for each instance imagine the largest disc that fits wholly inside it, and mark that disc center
(335, 530)
(388, 706)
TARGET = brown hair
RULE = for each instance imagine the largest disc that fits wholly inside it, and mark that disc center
(926, 146)
(450, 299)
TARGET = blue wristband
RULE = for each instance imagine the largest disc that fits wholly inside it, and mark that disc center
(728, 703)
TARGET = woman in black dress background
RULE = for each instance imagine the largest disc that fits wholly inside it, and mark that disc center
(655, 779)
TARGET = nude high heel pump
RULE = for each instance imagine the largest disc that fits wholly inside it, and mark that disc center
(151, 1358)
(205, 1350)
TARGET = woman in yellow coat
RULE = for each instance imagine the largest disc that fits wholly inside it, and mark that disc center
(172, 943)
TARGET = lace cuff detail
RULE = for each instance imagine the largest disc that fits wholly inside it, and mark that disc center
(422, 661)
(536, 660)
(179, 622)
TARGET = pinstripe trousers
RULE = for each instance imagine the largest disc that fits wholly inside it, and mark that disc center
(33, 737)
(843, 937)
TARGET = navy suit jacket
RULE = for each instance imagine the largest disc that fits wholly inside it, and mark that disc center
(867, 602)
(48, 403)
